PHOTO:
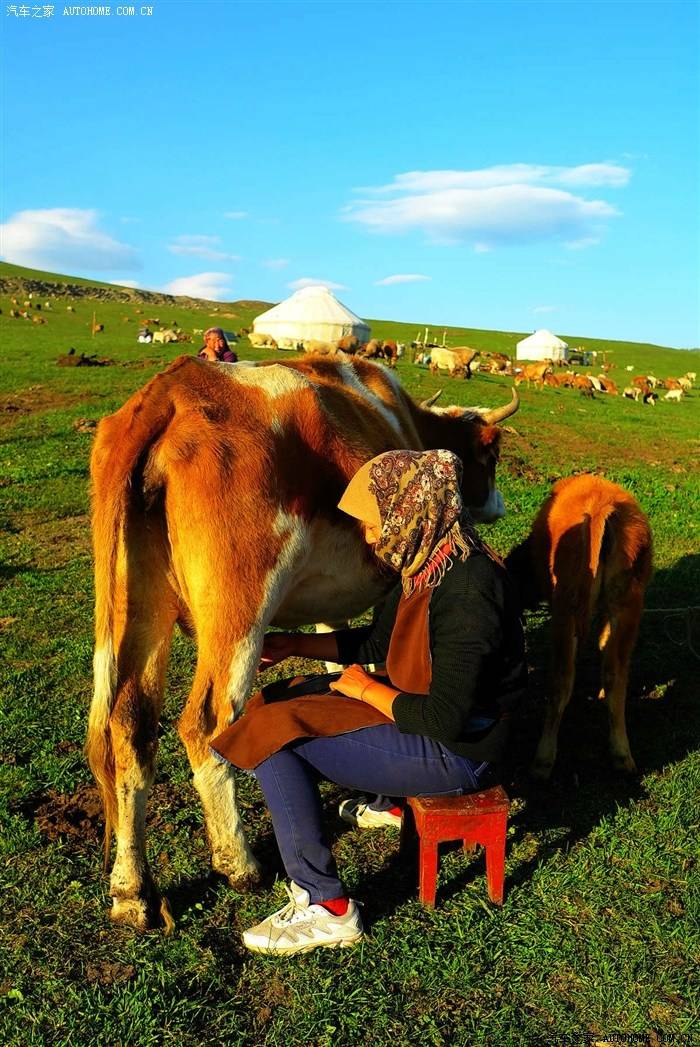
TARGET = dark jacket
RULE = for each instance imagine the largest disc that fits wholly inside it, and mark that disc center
(477, 654)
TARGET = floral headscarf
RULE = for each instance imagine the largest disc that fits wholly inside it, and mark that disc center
(415, 498)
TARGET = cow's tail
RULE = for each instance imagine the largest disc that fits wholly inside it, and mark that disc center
(594, 529)
(121, 445)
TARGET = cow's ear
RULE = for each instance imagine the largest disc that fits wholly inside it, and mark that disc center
(489, 436)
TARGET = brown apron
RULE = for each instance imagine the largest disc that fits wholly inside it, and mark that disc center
(282, 712)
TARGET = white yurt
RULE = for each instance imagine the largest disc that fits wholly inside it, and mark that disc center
(542, 345)
(312, 312)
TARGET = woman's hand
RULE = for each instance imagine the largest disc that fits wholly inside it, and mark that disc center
(276, 647)
(353, 682)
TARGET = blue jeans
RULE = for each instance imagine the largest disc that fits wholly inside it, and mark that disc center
(375, 760)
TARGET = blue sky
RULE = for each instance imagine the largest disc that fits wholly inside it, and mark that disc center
(497, 165)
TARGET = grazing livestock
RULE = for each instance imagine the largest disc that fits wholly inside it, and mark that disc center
(584, 384)
(164, 337)
(608, 386)
(314, 345)
(372, 350)
(467, 357)
(70, 309)
(672, 383)
(288, 343)
(674, 395)
(631, 392)
(641, 381)
(691, 375)
(390, 351)
(589, 551)
(685, 384)
(261, 341)
(455, 361)
(98, 328)
(260, 454)
(349, 343)
(533, 373)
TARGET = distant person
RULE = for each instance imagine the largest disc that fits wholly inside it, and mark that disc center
(216, 347)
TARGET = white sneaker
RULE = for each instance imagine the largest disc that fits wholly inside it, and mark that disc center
(358, 812)
(299, 927)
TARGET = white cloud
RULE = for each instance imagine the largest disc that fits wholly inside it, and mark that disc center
(401, 278)
(201, 247)
(235, 216)
(504, 174)
(312, 281)
(213, 286)
(507, 204)
(276, 263)
(63, 238)
(127, 283)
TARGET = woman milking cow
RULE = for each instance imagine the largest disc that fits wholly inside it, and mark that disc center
(435, 721)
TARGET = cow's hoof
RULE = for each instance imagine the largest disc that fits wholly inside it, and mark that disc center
(241, 873)
(143, 913)
(245, 879)
(624, 764)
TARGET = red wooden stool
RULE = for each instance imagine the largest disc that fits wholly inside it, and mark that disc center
(475, 818)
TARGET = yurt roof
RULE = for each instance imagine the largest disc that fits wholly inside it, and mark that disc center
(544, 339)
(311, 305)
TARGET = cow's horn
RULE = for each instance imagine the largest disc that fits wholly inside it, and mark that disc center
(498, 414)
(427, 404)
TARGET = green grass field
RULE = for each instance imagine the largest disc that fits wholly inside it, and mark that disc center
(599, 934)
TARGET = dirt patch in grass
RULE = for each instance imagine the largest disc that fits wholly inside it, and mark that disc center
(107, 973)
(56, 542)
(77, 815)
(516, 465)
(39, 398)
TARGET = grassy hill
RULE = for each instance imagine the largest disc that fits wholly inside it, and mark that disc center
(190, 312)
(598, 937)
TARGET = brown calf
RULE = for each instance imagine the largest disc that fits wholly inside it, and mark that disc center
(533, 373)
(589, 550)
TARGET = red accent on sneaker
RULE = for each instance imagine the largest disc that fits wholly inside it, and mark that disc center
(398, 811)
(338, 906)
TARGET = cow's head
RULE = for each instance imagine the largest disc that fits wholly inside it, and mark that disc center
(473, 434)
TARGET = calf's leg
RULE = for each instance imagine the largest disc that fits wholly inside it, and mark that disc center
(617, 641)
(564, 645)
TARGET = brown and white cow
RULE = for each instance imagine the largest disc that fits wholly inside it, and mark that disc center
(456, 361)
(589, 550)
(214, 493)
